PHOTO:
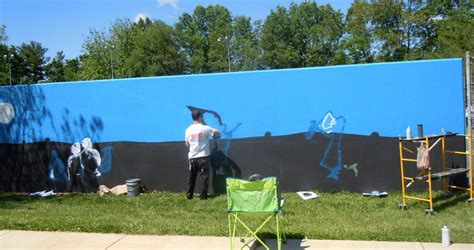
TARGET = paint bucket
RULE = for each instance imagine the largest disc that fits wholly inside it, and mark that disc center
(133, 187)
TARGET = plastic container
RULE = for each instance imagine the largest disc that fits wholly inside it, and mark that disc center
(445, 236)
(408, 133)
(133, 187)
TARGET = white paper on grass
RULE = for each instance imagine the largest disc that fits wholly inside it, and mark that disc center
(307, 195)
(376, 194)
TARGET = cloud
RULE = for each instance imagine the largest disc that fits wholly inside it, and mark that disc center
(172, 3)
(142, 15)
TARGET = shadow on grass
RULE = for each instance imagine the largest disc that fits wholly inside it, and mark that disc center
(443, 201)
(18, 200)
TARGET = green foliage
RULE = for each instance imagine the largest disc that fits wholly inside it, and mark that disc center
(4, 65)
(305, 35)
(155, 52)
(455, 33)
(55, 69)
(358, 41)
(3, 34)
(95, 61)
(72, 70)
(276, 41)
(342, 215)
(32, 59)
(244, 49)
(205, 37)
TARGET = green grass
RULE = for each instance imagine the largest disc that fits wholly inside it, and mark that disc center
(343, 215)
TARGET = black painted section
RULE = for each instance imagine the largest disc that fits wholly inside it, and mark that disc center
(163, 166)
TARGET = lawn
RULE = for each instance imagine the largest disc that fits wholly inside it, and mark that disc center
(341, 215)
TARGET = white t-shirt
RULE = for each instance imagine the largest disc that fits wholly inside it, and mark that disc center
(197, 135)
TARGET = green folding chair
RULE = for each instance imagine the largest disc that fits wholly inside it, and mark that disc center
(259, 198)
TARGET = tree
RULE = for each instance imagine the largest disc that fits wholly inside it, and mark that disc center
(3, 34)
(72, 69)
(95, 60)
(325, 39)
(359, 39)
(55, 69)
(4, 74)
(155, 52)
(418, 29)
(123, 36)
(404, 29)
(204, 37)
(276, 41)
(455, 34)
(32, 60)
(303, 21)
(244, 49)
(306, 35)
(386, 20)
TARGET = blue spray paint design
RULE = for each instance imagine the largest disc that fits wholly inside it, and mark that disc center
(227, 136)
(331, 127)
(56, 169)
(106, 164)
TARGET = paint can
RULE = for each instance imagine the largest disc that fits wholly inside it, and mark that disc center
(445, 236)
(133, 187)
(420, 130)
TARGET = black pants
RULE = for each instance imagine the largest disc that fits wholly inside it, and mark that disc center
(198, 165)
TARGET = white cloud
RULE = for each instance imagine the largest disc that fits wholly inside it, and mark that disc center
(172, 3)
(142, 15)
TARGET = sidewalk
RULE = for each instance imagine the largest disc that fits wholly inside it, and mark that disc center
(59, 240)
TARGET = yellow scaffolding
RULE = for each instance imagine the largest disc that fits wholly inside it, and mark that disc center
(427, 176)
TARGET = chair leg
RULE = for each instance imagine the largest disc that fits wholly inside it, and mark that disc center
(282, 231)
(230, 233)
(278, 231)
(254, 233)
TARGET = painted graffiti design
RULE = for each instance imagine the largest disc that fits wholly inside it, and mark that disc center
(332, 128)
(84, 165)
(7, 113)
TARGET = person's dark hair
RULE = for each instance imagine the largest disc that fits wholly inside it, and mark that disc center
(195, 114)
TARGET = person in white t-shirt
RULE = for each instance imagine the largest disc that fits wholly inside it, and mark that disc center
(197, 140)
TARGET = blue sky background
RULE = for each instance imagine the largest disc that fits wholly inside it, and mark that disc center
(62, 24)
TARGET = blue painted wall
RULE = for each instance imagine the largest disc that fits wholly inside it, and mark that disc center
(383, 98)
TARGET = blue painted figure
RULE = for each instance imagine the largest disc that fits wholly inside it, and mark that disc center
(106, 164)
(331, 127)
(56, 169)
(227, 136)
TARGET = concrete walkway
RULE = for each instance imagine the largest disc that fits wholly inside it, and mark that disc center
(59, 240)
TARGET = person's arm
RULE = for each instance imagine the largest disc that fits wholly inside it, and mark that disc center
(186, 142)
(216, 134)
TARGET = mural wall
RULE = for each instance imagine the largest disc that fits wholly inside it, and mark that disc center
(326, 128)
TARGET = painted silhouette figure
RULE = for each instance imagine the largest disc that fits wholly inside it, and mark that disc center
(75, 168)
(227, 136)
(84, 165)
(331, 127)
(57, 171)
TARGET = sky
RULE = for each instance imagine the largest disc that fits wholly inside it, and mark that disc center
(63, 24)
